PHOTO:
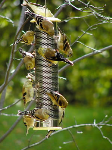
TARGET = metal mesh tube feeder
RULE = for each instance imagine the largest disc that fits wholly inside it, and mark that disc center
(46, 79)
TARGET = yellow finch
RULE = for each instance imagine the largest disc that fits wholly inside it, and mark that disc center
(63, 44)
(57, 99)
(26, 38)
(61, 116)
(28, 122)
(28, 58)
(53, 55)
(38, 114)
(40, 10)
(42, 23)
(27, 91)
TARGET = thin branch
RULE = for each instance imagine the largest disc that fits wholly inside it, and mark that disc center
(3, 97)
(8, 19)
(19, 66)
(86, 46)
(106, 121)
(2, 3)
(73, 139)
(16, 70)
(79, 9)
(35, 144)
(89, 29)
(11, 59)
(4, 114)
(87, 55)
(103, 134)
(10, 130)
(22, 19)
(60, 9)
(76, 17)
(11, 105)
(66, 3)
(94, 12)
(14, 125)
(67, 128)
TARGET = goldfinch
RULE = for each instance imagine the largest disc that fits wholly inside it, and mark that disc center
(61, 116)
(40, 10)
(42, 23)
(53, 55)
(38, 114)
(27, 91)
(63, 44)
(28, 122)
(27, 38)
(57, 99)
(29, 59)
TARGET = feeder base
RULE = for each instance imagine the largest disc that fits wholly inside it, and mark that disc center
(47, 128)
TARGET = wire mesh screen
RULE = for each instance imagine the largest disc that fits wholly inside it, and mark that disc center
(46, 79)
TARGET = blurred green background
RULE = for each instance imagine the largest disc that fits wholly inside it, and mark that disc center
(88, 84)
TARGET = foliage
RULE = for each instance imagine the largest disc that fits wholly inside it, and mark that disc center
(88, 83)
(92, 81)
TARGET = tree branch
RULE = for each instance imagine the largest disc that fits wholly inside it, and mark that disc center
(93, 11)
(70, 127)
(2, 3)
(87, 55)
(3, 97)
(11, 105)
(8, 19)
(4, 114)
(14, 125)
(59, 10)
(11, 58)
(73, 139)
(15, 72)
(90, 27)
(66, 3)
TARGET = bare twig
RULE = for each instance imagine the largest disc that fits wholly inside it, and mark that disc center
(67, 2)
(22, 19)
(35, 144)
(3, 97)
(19, 66)
(76, 17)
(103, 134)
(94, 12)
(73, 139)
(11, 105)
(4, 114)
(8, 19)
(87, 55)
(86, 46)
(7, 78)
(70, 127)
(14, 125)
(2, 3)
(94, 25)
(12, 54)
(106, 121)
(60, 9)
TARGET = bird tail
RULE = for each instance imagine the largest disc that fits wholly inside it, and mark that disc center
(22, 52)
(25, 112)
(60, 57)
(29, 13)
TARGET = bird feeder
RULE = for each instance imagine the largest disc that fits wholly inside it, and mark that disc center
(46, 79)
(50, 105)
